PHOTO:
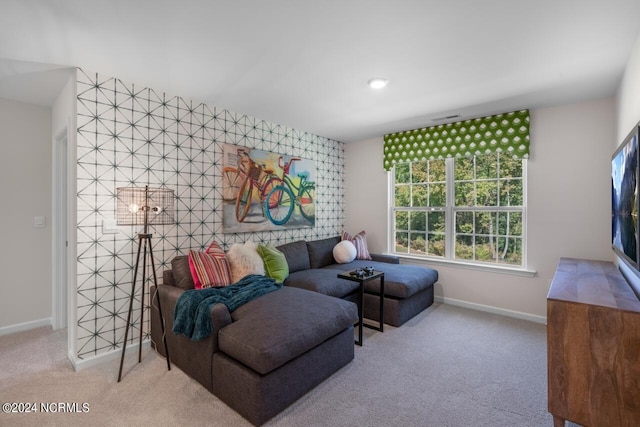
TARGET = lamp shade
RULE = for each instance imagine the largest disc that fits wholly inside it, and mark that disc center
(134, 203)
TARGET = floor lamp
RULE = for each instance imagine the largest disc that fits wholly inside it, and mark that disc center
(144, 206)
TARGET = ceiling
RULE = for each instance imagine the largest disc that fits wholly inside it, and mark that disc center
(305, 64)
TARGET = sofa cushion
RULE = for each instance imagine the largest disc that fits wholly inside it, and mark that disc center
(275, 328)
(360, 242)
(244, 259)
(321, 252)
(344, 252)
(296, 254)
(181, 272)
(400, 280)
(209, 268)
(322, 280)
(275, 263)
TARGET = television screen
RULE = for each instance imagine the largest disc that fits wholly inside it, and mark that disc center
(624, 199)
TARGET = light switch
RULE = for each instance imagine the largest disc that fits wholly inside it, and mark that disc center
(39, 221)
(109, 226)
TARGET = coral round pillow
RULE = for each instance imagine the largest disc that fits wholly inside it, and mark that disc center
(344, 252)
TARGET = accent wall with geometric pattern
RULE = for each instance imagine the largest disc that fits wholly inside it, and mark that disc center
(128, 135)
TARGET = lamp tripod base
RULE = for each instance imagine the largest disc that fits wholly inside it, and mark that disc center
(144, 241)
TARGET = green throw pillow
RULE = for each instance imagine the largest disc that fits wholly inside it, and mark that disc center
(275, 263)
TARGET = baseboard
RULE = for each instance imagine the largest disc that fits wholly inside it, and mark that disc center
(80, 364)
(6, 330)
(491, 309)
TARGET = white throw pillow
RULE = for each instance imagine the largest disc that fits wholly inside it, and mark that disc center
(244, 259)
(344, 252)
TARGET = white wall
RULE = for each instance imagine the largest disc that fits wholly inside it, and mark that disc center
(568, 214)
(25, 183)
(628, 96)
(366, 192)
(628, 115)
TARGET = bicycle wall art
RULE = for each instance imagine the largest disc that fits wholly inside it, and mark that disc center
(266, 191)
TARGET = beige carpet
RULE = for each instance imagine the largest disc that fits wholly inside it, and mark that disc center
(446, 367)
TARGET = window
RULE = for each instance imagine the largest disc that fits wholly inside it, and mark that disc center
(469, 209)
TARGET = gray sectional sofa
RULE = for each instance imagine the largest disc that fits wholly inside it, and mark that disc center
(408, 288)
(268, 353)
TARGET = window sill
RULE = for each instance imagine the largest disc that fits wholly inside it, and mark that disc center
(515, 271)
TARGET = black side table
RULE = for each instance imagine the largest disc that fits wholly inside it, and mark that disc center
(361, 281)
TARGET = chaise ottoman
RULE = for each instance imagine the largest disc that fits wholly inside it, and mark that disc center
(408, 289)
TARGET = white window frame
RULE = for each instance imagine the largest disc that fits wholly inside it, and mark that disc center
(450, 210)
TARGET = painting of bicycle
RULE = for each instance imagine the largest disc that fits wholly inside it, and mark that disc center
(262, 190)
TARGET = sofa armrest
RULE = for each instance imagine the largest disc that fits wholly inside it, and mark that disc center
(220, 316)
(390, 259)
(192, 357)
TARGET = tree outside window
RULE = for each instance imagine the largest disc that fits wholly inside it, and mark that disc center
(483, 221)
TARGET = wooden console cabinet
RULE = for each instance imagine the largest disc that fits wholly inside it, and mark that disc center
(593, 346)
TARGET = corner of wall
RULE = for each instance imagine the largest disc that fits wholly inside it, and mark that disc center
(64, 125)
(628, 102)
(366, 195)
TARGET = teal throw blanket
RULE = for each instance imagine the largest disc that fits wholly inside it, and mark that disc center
(192, 313)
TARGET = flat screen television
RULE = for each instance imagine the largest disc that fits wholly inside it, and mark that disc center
(624, 200)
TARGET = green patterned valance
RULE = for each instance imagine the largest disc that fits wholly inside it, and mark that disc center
(502, 133)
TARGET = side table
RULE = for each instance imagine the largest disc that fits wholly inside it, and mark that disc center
(347, 275)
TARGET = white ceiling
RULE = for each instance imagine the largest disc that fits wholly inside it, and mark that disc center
(305, 64)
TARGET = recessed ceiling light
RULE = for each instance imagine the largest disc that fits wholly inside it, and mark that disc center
(377, 83)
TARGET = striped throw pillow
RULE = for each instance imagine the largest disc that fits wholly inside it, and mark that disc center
(209, 268)
(360, 242)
